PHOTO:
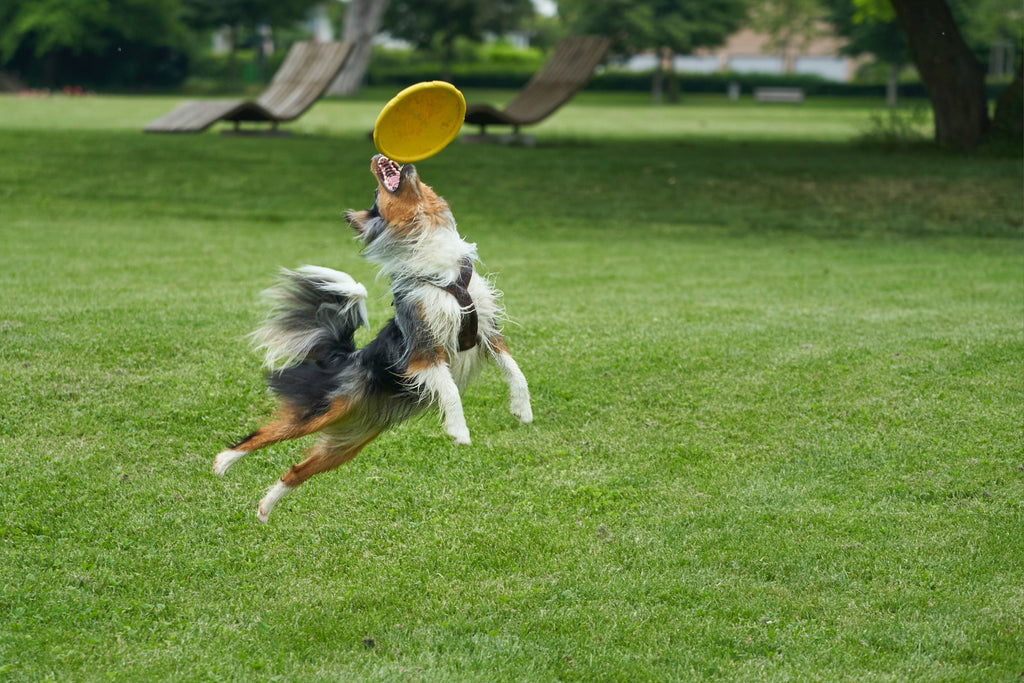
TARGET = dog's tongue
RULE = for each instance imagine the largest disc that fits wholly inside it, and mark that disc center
(391, 171)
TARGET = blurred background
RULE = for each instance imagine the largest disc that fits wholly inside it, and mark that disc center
(831, 47)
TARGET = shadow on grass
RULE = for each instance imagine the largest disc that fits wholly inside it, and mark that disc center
(825, 190)
(652, 188)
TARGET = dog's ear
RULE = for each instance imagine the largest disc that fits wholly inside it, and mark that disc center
(357, 219)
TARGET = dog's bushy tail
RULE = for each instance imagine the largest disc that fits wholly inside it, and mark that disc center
(314, 316)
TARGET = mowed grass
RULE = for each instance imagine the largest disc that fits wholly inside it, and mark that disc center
(776, 375)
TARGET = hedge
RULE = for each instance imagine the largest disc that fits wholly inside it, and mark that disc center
(501, 76)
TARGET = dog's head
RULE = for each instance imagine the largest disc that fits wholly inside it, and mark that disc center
(403, 205)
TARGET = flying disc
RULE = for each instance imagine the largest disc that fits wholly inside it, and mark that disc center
(420, 121)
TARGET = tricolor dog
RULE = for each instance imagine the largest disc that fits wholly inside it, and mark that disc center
(446, 327)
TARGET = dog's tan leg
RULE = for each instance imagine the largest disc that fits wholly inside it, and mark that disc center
(519, 391)
(327, 454)
(280, 430)
(290, 425)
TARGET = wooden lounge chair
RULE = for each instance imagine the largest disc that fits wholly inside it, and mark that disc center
(563, 75)
(306, 73)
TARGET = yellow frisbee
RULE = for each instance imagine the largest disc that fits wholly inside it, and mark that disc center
(420, 121)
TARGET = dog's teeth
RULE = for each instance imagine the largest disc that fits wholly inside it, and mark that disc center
(390, 171)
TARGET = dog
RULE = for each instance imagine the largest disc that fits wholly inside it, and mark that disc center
(445, 328)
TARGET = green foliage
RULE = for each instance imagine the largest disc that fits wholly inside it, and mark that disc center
(665, 26)
(776, 378)
(210, 73)
(402, 68)
(788, 23)
(470, 54)
(870, 30)
(207, 14)
(436, 24)
(121, 43)
(653, 24)
(896, 128)
(114, 43)
(42, 27)
(985, 22)
(868, 11)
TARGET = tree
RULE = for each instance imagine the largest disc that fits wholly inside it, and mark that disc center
(437, 23)
(951, 73)
(875, 33)
(1008, 122)
(790, 25)
(362, 22)
(242, 14)
(117, 42)
(947, 63)
(995, 28)
(991, 26)
(666, 26)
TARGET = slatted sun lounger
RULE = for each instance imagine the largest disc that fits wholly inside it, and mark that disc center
(305, 75)
(564, 73)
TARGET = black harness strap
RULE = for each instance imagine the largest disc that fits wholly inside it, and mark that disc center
(460, 290)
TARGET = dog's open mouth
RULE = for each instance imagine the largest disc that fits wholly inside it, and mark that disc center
(388, 172)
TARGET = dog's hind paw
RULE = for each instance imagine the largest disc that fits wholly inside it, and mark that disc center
(262, 514)
(276, 492)
(225, 460)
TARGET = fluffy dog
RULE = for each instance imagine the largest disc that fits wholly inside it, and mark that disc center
(446, 327)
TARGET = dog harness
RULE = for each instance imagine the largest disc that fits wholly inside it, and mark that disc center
(460, 290)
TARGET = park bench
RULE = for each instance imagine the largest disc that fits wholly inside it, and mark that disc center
(791, 95)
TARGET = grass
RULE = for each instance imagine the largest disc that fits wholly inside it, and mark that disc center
(777, 379)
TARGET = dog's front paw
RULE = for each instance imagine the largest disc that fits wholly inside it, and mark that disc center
(523, 411)
(460, 435)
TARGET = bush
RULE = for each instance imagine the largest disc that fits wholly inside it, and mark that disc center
(898, 128)
(128, 66)
(209, 71)
(393, 72)
(481, 75)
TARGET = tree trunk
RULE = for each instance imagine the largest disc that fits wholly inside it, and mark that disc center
(1008, 123)
(661, 77)
(50, 69)
(954, 78)
(671, 79)
(447, 56)
(232, 56)
(362, 22)
(657, 87)
(261, 56)
(892, 86)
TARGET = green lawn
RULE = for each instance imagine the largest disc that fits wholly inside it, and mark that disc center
(776, 376)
